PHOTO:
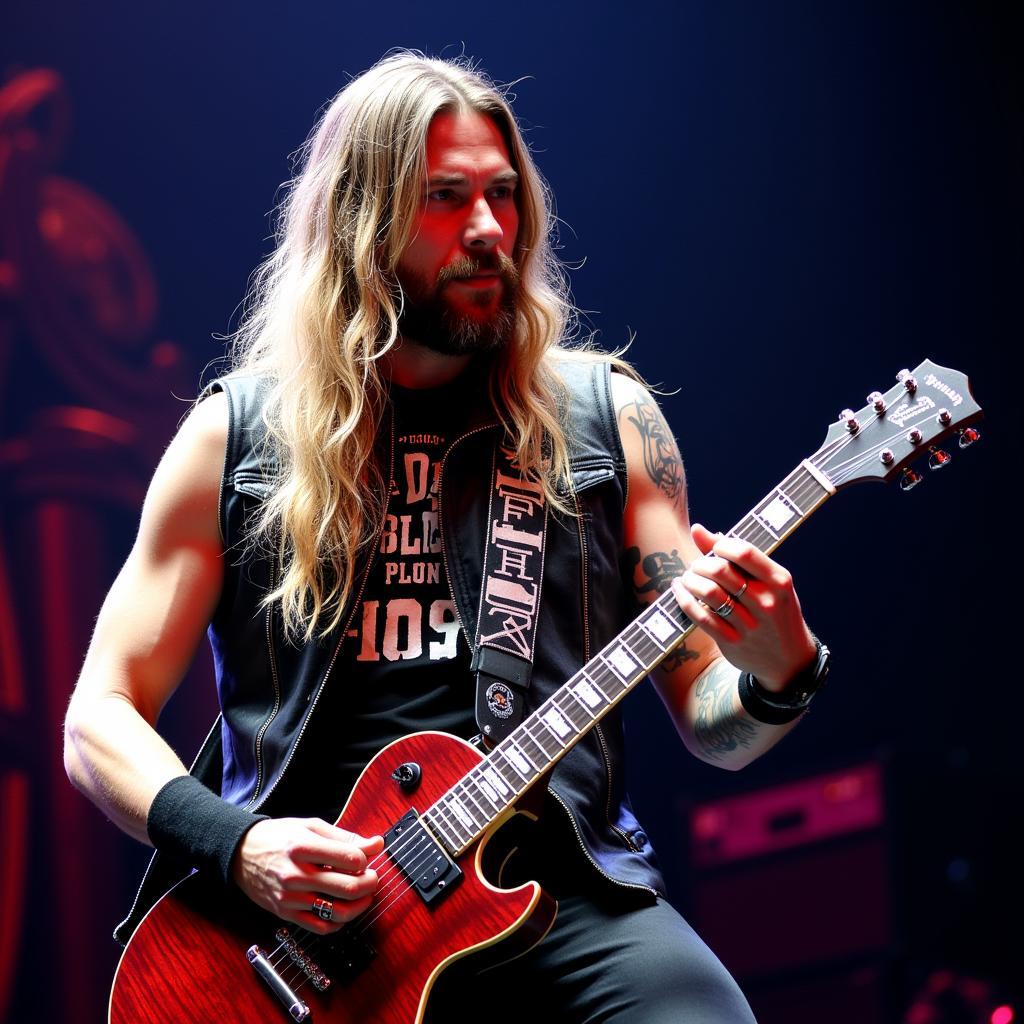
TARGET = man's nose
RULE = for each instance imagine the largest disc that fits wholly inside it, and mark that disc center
(482, 229)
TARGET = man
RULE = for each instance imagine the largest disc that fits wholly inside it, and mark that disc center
(323, 508)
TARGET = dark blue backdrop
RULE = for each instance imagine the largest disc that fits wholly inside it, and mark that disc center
(786, 203)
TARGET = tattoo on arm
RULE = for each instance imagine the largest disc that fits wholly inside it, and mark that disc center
(718, 729)
(661, 455)
(651, 574)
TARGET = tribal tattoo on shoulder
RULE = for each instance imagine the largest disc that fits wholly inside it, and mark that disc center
(653, 574)
(661, 454)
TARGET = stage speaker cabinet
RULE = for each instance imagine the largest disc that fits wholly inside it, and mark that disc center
(791, 887)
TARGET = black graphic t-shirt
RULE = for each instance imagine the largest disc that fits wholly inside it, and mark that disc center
(404, 666)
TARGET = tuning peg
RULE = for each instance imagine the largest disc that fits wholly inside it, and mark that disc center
(907, 380)
(914, 435)
(938, 458)
(909, 480)
(944, 418)
(887, 456)
(968, 436)
(877, 400)
(851, 420)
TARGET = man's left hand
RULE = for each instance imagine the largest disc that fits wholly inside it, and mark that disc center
(758, 626)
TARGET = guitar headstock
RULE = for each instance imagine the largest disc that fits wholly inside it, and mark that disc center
(928, 405)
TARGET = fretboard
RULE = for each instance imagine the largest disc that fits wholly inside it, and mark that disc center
(486, 792)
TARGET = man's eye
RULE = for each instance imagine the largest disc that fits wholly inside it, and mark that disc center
(441, 194)
(502, 192)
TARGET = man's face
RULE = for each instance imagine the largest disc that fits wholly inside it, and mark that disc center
(457, 272)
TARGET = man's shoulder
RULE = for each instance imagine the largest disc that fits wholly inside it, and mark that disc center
(245, 395)
(590, 408)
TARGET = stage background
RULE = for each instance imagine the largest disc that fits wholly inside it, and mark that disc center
(784, 204)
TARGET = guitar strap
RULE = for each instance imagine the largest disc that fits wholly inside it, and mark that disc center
(513, 570)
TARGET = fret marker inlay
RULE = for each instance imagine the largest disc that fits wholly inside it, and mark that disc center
(777, 513)
(515, 755)
(622, 661)
(587, 694)
(660, 626)
(559, 726)
(495, 780)
(461, 813)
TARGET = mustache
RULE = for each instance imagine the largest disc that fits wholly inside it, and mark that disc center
(468, 266)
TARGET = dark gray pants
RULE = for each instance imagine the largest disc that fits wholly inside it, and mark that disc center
(607, 960)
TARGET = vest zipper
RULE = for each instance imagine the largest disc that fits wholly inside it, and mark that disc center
(348, 623)
(597, 727)
(627, 839)
(277, 694)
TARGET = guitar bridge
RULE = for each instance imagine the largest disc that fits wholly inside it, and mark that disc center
(421, 858)
(296, 1008)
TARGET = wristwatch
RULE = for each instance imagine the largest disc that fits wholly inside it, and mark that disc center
(788, 704)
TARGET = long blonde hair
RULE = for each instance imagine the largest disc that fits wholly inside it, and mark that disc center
(324, 307)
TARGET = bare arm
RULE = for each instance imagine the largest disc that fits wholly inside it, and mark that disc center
(152, 620)
(766, 633)
(148, 629)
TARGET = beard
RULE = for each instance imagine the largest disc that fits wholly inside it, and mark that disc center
(429, 317)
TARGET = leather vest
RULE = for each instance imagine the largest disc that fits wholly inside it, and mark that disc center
(269, 688)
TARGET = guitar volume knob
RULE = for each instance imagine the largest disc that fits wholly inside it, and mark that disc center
(407, 776)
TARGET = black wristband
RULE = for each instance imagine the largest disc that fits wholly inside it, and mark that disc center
(759, 706)
(794, 700)
(196, 826)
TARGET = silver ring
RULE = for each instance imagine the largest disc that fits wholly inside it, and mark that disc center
(324, 909)
(739, 593)
(725, 608)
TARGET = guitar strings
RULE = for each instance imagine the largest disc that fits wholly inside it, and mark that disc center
(387, 895)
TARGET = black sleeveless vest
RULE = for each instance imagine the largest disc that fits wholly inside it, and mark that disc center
(268, 688)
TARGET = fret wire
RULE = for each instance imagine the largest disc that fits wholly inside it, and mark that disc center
(453, 799)
(593, 682)
(490, 767)
(582, 703)
(435, 824)
(573, 728)
(613, 675)
(486, 787)
(800, 492)
(581, 678)
(558, 739)
(648, 632)
(571, 708)
(519, 746)
(464, 784)
(453, 822)
(446, 816)
(527, 726)
(509, 763)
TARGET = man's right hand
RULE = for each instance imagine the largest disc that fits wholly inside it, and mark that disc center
(285, 864)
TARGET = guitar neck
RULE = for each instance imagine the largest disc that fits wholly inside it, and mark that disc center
(484, 794)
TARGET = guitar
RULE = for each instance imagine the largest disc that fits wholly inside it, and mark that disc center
(206, 953)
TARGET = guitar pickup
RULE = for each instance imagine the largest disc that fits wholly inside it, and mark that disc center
(421, 858)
